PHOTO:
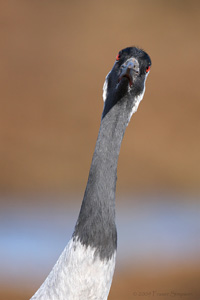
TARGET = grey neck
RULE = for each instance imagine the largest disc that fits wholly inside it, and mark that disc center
(96, 222)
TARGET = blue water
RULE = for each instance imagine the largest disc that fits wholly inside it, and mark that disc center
(160, 230)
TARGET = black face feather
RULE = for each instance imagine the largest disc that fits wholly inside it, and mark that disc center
(142, 57)
(127, 76)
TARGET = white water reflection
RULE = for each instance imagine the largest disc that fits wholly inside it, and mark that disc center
(164, 231)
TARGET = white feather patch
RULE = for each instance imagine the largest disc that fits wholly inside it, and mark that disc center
(78, 275)
(105, 88)
(137, 100)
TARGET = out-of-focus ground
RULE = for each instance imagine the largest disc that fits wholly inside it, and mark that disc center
(127, 285)
(54, 56)
(158, 245)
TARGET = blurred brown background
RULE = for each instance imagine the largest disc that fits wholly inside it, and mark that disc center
(54, 56)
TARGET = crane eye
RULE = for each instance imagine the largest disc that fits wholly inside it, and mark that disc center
(118, 57)
(147, 69)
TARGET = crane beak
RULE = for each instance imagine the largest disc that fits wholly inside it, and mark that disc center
(129, 70)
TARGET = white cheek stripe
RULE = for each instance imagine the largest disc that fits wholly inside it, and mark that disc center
(105, 88)
(78, 275)
(137, 100)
